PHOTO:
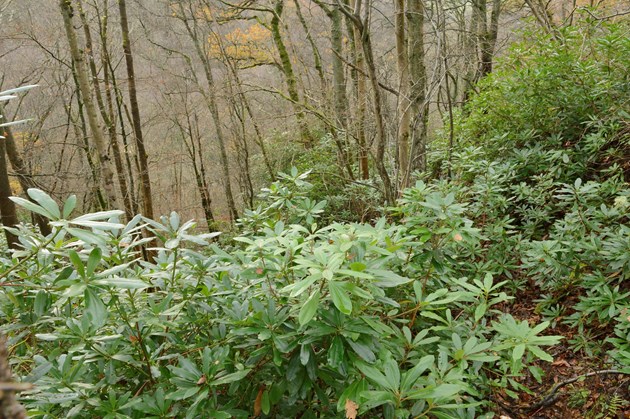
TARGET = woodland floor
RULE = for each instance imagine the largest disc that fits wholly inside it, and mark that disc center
(592, 397)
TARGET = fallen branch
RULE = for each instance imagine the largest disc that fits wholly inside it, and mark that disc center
(551, 396)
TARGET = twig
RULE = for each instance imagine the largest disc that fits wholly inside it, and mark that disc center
(550, 397)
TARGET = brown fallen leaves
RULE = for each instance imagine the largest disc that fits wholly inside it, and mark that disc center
(258, 402)
(351, 409)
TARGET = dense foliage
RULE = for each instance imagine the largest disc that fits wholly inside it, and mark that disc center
(405, 316)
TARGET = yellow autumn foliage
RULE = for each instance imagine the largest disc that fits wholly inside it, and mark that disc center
(250, 44)
(16, 189)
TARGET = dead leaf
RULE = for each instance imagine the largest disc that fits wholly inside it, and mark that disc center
(202, 380)
(561, 362)
(351, 409)
(258, 402)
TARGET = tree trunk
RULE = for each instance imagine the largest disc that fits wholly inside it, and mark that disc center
(211, 102)
(362, 27)
(107, 117)
(340, 100)
(127, 151)
(489, 39)
(404, 104)
(360, 95)
(242, 149)
(194, 153)
(7, 207)
(81, 134)
(107, 174)
(233, 71)
(20, 169)
(204, 180)
(147, 197)
(317, 58)
(289, 75)
(418, 82)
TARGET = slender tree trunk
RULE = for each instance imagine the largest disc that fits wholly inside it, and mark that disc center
(543, 15)
(360, 94)
(233, 71)
(361, 25)
(472, 43)
(204, 179)
(81, 134)
(339, 80)
(339, 84)
(289, 75)
(20, 169)
(107, 117)
(147, 197)
(317, 58)
(211, 102)
(242, 149)
(340, 100)
(418, 82)
(250, 113)
(489, 39)
(206, 201)
(127, 150)
(107, 174)
(404, 104)
(7, 207)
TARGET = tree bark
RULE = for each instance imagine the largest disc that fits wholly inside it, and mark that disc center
(289, 75)
(7, 207)
(147, 197)
(20, 169)
(242, 149)
(107, 174)
(127, 150)
(107, 117)
(360, 93)
(317, 58)
(361, 25)
(418, 82)
(404, 104)
(489, 40)
(194, 152)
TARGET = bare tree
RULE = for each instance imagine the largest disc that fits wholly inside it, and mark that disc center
(147, 197)
(361, 20)
(107, 173)
(106, 114)
(192, 29)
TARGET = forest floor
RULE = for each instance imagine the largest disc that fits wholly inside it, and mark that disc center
(575, 385)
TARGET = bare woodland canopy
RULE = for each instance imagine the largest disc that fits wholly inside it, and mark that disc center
(192, 105)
